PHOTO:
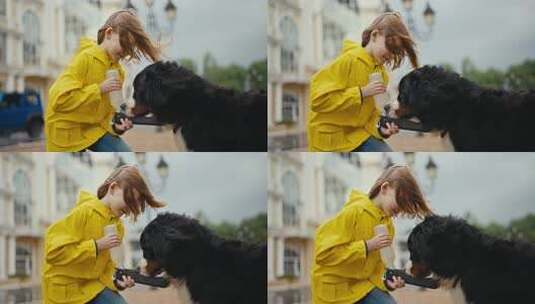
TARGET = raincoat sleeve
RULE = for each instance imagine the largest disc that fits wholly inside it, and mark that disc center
(65, 244)
(109, 271)
(329, 91)
(69, 93)
(336, 243)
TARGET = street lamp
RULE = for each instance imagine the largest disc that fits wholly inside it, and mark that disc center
(130, 6)
(141, 158)
(428, 17)
(163, 168)
(170, 10)
(431, 169)
(120, 162)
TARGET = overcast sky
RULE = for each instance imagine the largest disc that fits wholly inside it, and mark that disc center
(234, 31)
(493, 33)
(492, 186)
(224, 186)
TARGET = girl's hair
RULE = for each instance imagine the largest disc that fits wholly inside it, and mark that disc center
(409, 197)
(128, 178)
(397, 38)
(133, 39)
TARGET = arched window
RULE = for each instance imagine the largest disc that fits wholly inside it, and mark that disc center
(290, 44)
(3, 7)
(23, 199)
(32, 38)
(290, 204)
(333, 37)
(335, 193)
(75, 28)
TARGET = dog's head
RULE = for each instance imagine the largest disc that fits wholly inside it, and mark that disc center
(443, 246)
(170, 91)
(174, 243)
(433, 95)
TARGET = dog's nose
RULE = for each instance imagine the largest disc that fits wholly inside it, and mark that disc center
(387, 108)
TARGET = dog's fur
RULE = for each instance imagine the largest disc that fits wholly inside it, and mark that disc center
(489, 270)
(210, 118)
(476, 118)
(215, 270)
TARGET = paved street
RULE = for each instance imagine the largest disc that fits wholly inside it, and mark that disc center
(140, 139)
(412, 141)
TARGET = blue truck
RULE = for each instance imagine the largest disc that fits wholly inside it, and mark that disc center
(21, 111)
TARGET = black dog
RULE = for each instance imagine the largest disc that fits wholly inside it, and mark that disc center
(476, 118)
(210, 118)
(216, 270)
(490, 270)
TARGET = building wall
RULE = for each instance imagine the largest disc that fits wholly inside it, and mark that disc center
(310, 19)
(322, 178)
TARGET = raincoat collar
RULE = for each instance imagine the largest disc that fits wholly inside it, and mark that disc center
(95, 50)
(91, 201)
(359, 51)
(367, 204)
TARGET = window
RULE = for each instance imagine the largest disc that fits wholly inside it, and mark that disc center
(75, 28)
(31, 41)
(292, 264)
(333, 38)
(23, 199)
(3, 7)
(290, 107)
(290, 204)
(289, 46)
(23, 261)
(335, 193)
(3, 48)
(66, 191)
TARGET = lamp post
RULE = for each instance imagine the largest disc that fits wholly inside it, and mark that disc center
(428, 18)
(157, 28)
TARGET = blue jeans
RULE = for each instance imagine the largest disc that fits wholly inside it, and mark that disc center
(110, 143)
(373, 145)
(377, 296)
(108, 296)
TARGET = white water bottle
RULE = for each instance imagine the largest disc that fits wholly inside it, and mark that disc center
(116, 97)
(387, 254)
(115, 252)
(380, 99)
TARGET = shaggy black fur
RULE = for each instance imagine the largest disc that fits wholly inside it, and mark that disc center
(210, 118)
(490, 270)
(216, 270)
(476, 118)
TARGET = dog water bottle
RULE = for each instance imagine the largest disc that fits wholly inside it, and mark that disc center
(116, 97)
(380, 99)
(387, 254)
(115, 252)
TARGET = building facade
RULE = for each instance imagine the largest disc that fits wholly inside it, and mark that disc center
(303, 36)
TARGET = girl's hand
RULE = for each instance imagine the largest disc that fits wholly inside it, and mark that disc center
(389, 129)
(378, 242)
(125, 282)
(396, 283)
(110, 84)
(126, 124)
(373, 88)
(108, 241)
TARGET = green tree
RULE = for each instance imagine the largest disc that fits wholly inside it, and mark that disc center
(188, 63)
(521, 76)
(258, 75)
(232, 76)
(491, 78)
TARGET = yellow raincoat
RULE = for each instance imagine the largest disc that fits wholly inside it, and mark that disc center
(343, 272)
(73, 272)
(339, 119)
(77, 114)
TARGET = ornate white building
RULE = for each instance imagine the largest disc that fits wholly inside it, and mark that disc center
(304, 189)
(36, 189)
(303, 35)
(37, 39)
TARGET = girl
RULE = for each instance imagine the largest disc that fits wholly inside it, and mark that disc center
(77, 267)
(79, 113)
(343, 115)
(347, 266)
